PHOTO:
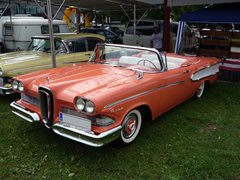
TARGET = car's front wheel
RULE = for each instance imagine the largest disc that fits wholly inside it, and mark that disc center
(131, 126)
(200, 90)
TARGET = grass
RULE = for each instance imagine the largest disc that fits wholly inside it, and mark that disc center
(199, 139)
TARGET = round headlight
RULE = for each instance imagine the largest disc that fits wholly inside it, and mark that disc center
(20, 86)
(80, 104)
(89, 107)
(15, 85)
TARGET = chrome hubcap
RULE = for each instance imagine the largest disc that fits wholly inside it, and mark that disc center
(130, 127)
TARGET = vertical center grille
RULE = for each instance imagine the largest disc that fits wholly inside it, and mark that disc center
(46, 105)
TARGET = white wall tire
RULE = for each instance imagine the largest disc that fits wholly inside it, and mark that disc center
(131, 126)
(200, 90)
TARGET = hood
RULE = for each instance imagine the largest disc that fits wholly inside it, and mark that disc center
(80, 80)
(19, 57)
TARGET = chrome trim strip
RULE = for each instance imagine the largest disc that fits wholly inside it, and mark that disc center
(142, 93)
(6, 91)
(130, 46)
(23, 113)
(4, 88)
(138, 48)
(87, 138)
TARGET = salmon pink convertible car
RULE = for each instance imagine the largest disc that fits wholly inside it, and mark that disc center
(109, 97)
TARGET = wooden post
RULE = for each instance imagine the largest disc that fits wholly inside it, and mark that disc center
(166, 26)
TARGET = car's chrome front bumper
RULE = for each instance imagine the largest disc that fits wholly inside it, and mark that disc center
(87, 138)
(24, 113)
(6, 91)
(81, 136)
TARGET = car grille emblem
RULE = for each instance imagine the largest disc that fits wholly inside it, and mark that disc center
(46, 106)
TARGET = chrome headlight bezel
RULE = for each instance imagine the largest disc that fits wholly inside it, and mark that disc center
(17, 85)
(80, 104)
(20, 86)
(1, 72)
(84, 105)
(89, 107)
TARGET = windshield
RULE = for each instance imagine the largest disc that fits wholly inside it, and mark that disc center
(43, 45)
(141, 59)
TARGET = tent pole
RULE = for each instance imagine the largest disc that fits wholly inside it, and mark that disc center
(166, 26)
(125, 13)
(134, 23)
(5, 10)
(50, 24)
(139, 19)
(41, 8)
(59, 9)
(78, 20)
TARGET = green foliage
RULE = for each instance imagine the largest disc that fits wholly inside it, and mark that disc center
(199, 139)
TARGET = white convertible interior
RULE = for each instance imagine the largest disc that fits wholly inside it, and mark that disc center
(129, 60)
(172, 62)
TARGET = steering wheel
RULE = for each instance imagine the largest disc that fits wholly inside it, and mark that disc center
(146, 60)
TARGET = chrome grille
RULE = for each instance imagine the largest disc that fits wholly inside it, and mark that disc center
(46, 106)
(76, 113)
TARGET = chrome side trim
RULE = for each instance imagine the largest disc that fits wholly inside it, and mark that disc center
(142, 93)
(87, 138)
(23, 113)
(208, 71)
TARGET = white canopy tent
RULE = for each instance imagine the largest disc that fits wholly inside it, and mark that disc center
(111, 5)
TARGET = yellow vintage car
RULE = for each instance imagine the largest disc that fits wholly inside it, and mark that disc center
(70, 48)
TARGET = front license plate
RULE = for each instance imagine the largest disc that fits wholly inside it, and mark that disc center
(75, 121)
(1, 82)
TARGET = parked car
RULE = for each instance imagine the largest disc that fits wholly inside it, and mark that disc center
(70, 48)
(116, 30)
(144, 30)
(110, 36)
(109, 97)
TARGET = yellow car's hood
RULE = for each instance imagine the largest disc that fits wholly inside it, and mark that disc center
(22, 62)
(20, 57)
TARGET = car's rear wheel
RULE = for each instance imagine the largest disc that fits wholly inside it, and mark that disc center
(131, 126)
(200, 90)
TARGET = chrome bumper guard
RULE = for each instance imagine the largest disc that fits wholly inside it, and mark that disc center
(24, 113)
(6, 91)
(87, 138)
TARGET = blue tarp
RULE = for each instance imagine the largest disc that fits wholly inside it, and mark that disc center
(222, 14)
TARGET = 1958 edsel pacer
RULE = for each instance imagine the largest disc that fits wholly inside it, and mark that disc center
(109, 97)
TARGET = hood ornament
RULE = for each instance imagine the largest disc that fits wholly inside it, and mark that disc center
(47, 79)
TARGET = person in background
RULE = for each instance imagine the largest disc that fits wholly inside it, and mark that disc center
(156, 39)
